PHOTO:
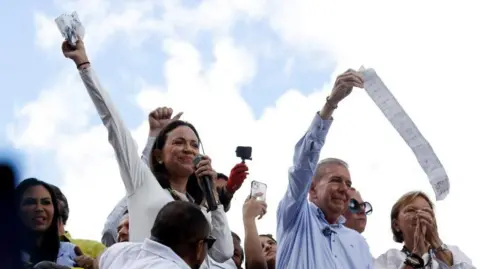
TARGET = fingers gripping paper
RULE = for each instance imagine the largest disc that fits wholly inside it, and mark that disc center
(404, 125)
(70, 27)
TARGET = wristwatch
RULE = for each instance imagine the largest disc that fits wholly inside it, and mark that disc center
(415, 261)
(442, 247)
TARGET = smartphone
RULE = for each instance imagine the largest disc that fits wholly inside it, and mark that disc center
(259, 190)
(244, 153)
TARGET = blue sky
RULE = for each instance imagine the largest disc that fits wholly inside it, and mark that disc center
(31, 70)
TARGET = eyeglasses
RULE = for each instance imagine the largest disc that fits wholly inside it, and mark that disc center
(209, 240)
(355, 207)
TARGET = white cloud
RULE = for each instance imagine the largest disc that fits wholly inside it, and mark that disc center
(429, 63)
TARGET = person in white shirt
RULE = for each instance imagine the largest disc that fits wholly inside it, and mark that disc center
(172, 176)
(174, 242)
(413, 224)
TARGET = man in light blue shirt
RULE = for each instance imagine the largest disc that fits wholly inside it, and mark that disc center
(311, 234)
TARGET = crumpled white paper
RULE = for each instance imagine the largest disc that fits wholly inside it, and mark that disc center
(70, 27)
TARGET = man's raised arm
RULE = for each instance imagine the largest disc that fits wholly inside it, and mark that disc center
(307, 151)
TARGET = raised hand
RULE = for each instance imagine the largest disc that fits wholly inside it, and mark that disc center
(343, 86)
(161, 117)
(237, 176)
(420, 245)
(426, 217)
(253, 208)
(77, 53)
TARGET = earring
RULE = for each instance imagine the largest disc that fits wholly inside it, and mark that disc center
(160, 162)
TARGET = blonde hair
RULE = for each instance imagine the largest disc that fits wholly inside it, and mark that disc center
(406, 199)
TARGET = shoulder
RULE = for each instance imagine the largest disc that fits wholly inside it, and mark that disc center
(67, 247)
(391, 256)
(115, 251)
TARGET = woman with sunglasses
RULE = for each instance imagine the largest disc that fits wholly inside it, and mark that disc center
(414, 225)
(172, 175)
(357, 212)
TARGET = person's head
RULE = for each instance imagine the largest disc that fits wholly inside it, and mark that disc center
(357, 211)
(38, 213)
(221, 180)
(172, 156)
(63, 209)
(328, 191)
(182, 227)
(269, 245)
(122, 229)
(238, 254)
(402, 221)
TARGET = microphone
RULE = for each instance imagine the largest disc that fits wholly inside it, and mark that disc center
(206, 186)
(327, 231)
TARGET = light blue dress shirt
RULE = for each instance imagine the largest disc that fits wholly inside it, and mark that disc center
(66, 255)
(305, 239)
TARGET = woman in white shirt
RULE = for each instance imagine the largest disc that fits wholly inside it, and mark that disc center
(413, 224)
(171, 178)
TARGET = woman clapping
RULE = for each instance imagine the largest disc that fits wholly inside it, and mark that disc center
(413, 223)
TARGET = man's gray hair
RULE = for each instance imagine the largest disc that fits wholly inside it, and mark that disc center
(328, 161)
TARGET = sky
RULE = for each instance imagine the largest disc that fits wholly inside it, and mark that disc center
(248, 72)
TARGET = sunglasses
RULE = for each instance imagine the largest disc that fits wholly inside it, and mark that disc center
(355, 207)
(209, 240)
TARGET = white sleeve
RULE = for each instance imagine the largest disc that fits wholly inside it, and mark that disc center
(148, 150)
(222, 250)
(132, 170)
(460, 260)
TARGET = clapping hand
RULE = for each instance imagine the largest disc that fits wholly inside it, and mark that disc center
(159, 118)
(426, 216)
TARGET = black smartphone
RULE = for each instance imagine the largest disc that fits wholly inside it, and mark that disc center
(244, 153)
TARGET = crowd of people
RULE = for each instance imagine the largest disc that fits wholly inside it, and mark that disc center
(164, 220)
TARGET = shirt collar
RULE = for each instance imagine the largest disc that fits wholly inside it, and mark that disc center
(66, 237)
(340, 221)
(163, 251)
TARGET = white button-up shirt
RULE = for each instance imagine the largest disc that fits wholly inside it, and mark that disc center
(149, 254)
(394, 259)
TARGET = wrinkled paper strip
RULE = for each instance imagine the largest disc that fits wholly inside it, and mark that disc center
(404, 125)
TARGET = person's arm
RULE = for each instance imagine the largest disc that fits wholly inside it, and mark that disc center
(453, 258)
(254, 258)
(305, 159)
(109, 234)
(148, 149)
(225, 197)
(132, 169)
(222, 249)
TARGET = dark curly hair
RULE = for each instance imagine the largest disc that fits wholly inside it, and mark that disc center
(160, 170)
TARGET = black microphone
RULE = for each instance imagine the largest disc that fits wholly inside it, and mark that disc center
(206, 186)
(327, 231)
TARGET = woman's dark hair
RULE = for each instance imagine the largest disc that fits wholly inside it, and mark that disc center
(50, 244)
(161, 172)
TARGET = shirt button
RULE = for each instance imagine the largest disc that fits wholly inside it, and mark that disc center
(335, 256)
(333, 240)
